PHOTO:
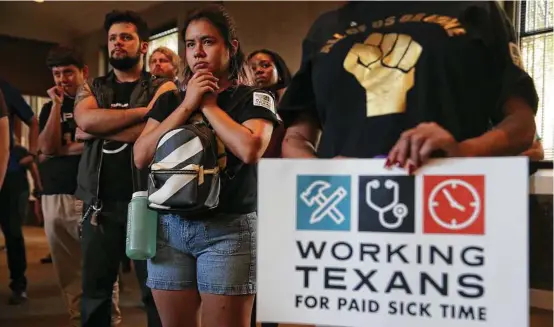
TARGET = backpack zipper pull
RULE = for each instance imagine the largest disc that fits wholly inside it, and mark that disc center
(200, 175)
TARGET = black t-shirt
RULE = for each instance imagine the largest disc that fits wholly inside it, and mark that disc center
(3, 106)
(16, 107)
(370, 70)
(116, 183)
(59, 174)
(238, 195)
(18, 175)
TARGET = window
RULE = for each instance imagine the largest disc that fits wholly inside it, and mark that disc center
(168, 38)
(536, 32)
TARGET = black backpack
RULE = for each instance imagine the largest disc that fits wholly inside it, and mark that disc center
(190, 166)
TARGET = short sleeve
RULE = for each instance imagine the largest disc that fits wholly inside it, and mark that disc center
(164, 106)
(16, 103)
(512, 80)
(44, 115)
(19, 152)
(3, 106)
(260, 105)
(299, 96)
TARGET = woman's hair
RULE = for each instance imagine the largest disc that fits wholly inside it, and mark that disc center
(171, 55)
(220, 18)
(283, 72)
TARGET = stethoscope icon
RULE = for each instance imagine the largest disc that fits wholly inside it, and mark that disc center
(399, 210)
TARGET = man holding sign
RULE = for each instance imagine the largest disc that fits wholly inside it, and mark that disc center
(407, 82)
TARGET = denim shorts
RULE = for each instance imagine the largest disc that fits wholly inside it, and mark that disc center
(215, 256)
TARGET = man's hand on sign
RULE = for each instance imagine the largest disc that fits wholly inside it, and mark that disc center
(415, 146)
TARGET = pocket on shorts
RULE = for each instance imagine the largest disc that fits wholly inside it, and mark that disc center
(225, 234)
(164, 229)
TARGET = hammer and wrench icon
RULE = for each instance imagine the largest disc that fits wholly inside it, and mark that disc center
(326, 205)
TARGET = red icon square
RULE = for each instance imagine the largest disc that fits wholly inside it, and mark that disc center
(454, 204)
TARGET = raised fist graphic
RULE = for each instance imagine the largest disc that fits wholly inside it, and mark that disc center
(384, 65)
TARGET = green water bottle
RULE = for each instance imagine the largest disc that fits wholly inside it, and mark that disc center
(142, 227)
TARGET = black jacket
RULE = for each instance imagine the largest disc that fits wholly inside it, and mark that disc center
(91, 160)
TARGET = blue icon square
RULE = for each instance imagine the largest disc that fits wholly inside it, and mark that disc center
(323, 203)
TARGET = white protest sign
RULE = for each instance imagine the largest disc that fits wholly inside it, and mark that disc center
(350, 243)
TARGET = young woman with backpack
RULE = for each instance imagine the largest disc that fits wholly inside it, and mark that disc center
(211, 260)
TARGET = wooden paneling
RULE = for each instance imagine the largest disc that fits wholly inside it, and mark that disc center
(23, 65)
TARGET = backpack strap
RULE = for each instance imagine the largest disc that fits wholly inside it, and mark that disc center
(230, 173)
(140, 176)
(244, 93)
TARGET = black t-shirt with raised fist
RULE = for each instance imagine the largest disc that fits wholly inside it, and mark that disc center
(371, 70)
(59, 174)
(116, 182)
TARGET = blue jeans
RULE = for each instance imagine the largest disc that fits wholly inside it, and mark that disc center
(215, 256)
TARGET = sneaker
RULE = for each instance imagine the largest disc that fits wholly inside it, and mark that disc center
(18, 298)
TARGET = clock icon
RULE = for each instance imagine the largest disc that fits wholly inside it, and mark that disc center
(454, 204)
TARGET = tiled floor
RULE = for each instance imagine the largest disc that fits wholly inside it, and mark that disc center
(46, 309)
